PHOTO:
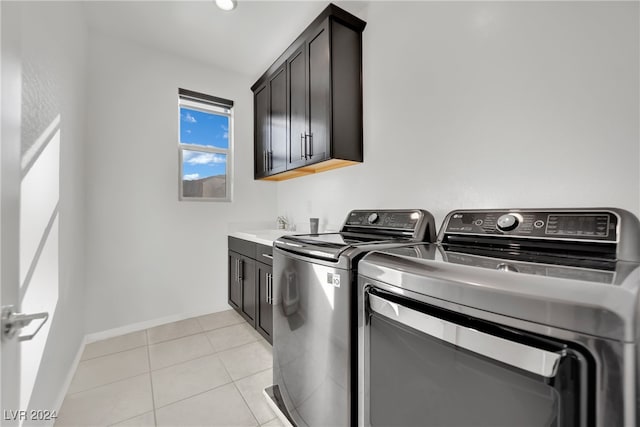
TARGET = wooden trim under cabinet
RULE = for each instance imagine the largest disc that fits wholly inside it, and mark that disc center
(311, 169)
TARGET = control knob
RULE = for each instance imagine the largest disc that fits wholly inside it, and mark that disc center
(372, 218)
(506, 267)
(508, 222)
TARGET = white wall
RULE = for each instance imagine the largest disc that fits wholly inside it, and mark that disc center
(52, 62)
(490, 105)
(150, 256)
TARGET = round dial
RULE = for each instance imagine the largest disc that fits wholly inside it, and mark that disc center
(372, 218)
(506, 267)
(507, 222)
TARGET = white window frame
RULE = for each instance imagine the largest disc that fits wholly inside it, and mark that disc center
(228, 152)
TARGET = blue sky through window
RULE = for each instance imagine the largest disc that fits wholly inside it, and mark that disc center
(207, 130)
(200, 164)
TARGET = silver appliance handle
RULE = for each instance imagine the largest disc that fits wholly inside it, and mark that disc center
(531, 359)
(267, 256)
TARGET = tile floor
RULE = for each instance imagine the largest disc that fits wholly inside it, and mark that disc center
(204, 371)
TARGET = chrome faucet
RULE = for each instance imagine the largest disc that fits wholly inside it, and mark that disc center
(282, 223)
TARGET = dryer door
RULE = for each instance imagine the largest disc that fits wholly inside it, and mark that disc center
(430, 367)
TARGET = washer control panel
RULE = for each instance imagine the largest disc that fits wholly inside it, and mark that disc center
(397, 220)
(547, 224)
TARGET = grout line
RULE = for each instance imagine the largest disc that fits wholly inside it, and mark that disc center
(185, 361)
(115, 352)
(122, 421)
(194, 395)
(109, 383)
(255, 373)
(190, 334)
(240, 322)
(153, 398)
(230, 348)
(246, 403)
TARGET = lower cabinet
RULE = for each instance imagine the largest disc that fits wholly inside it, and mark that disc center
(242, 286)
(251, 283)
(264, 316)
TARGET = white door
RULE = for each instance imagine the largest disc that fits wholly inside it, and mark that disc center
(18, 364)
(10, 92)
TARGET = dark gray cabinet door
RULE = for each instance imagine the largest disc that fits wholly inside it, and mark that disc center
(319, 106)
(277, 152)
(323, 109)
(264, 318)
(248, 280)
(235, 287)
(262, 130)
(297, 97)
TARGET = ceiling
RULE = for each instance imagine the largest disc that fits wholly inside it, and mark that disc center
(246, 40)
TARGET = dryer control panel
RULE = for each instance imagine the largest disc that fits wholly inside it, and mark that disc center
(560, 224)
(609, 233)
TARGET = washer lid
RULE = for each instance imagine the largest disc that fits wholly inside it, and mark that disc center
(331, 245)
(572, 298)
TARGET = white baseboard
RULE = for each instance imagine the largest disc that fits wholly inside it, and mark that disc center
(135, 327)
(72, 371)
(110, 333)
(282, 417)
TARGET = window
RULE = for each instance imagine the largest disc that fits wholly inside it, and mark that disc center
(205, 146)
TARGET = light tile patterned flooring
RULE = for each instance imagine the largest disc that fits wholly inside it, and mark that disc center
(204, 371)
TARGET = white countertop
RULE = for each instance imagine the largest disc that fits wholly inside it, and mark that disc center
(264, 237)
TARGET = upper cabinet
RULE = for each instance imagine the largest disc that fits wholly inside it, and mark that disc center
(308, 105)
(270, 135)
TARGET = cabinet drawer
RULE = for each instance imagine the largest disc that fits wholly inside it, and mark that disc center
(264, 254)
(243, 247)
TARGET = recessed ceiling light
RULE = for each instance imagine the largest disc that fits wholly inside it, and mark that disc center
(227, 4)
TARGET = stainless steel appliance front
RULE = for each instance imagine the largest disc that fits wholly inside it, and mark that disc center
(311, 354)
(504, 325)
(314, 329)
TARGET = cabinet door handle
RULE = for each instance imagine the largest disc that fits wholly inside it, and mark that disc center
(303, 146)
(236, 262)
(240, 264)
(266, 297)
(270, 160)
(269, 288)
(264, 160)
(310, 145)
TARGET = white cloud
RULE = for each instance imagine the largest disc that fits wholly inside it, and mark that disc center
(189, 118)
(191, 176)
(197, 158)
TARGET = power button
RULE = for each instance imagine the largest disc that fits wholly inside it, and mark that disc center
(538, 224)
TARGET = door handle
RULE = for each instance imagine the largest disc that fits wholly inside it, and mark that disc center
(269, 288)
(237, 270)
(270, 160)
(12, 322)
(303, 146)
(264, 160)
(535, 360)
(240, 264)
(310, 145)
